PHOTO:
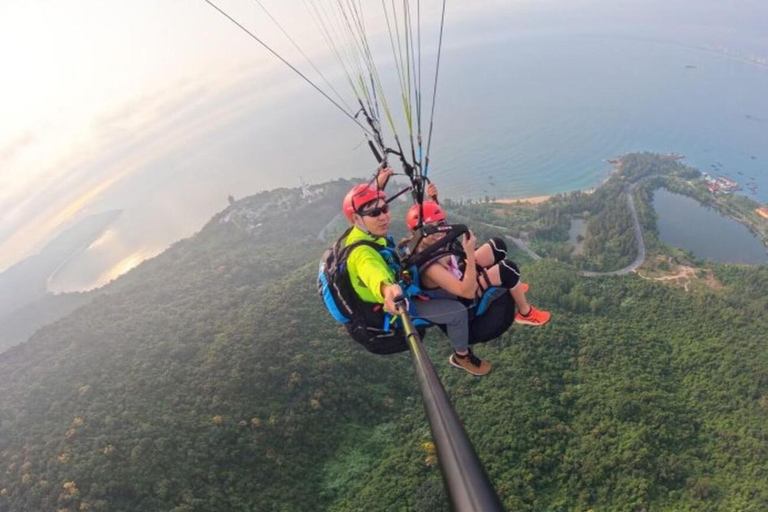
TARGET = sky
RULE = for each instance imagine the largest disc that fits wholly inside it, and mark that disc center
(99, 91)
(97, 96)
(92, 82)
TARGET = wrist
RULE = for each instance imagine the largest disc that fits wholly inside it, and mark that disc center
(387, 287)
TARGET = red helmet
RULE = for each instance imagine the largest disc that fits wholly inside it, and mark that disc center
(432, 213)
(358, 197)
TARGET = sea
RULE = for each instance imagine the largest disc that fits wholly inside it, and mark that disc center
(546, 111)
(516, 115)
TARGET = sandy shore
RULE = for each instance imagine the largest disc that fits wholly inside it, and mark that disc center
(534, 199)
(529, 200)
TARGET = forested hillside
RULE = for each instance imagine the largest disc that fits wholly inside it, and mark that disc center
(17, 326)
(211, 379)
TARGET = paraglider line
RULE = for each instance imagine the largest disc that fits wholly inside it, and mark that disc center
(296, 45)
(273, 52)
(434, 92)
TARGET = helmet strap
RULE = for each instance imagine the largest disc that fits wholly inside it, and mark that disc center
(362, 227)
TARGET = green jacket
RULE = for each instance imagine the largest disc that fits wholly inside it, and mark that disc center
(367, 268)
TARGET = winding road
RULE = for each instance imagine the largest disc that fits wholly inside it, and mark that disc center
(588, 273)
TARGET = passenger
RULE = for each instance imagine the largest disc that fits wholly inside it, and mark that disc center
(448, 277)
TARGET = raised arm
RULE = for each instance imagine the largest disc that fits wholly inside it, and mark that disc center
(382, 176)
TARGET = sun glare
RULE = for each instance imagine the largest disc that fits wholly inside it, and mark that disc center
(125, 265)
(105, 238)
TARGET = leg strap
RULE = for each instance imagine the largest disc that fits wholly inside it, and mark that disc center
(483, 281)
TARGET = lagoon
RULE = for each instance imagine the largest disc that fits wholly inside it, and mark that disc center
(685, 223)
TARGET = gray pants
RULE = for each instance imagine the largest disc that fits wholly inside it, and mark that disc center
(449, 312)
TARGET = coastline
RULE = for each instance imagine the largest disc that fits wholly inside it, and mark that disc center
(537, 199)
(529, 200)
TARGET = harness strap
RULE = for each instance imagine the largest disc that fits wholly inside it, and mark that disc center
(384, 250)
(453, 232)
(482, 273)
(343, 252)
(435, 258)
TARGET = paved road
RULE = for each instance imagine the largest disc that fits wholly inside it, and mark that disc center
(588, 273)
(321, 234)
(638, 237)
(523, 247)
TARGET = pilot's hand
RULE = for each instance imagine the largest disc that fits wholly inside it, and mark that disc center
(392, 293)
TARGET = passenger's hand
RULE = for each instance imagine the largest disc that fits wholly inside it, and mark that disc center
(392, 293)
(432, 191)
(468, 243)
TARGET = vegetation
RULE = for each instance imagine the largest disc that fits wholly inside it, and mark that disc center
(211, 378)
(19, 325)
(609, 242)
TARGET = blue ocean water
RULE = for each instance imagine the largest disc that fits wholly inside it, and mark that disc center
(531, 115)
(538, 115)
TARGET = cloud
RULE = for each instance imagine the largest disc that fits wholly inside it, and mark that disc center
(10, 150)
(118, 146)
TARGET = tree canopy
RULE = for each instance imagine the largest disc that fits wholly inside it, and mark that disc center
(211, 378)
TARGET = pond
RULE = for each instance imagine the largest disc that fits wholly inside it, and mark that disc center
(685, 223)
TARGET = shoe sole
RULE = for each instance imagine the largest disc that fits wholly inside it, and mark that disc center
(529, 322)
(455, 365)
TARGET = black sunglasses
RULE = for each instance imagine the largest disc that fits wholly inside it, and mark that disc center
(375, 211)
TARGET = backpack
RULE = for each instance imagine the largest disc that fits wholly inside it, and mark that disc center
(367, 323)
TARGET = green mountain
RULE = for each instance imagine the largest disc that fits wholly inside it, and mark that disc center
(211, 379)
(19, 325)
(25, 303)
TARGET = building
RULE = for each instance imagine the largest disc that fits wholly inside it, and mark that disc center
(763, 210)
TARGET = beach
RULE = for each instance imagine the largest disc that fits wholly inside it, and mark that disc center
(536, 199)
(529, 200)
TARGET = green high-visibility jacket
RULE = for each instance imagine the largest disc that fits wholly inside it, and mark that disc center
(367, 268)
